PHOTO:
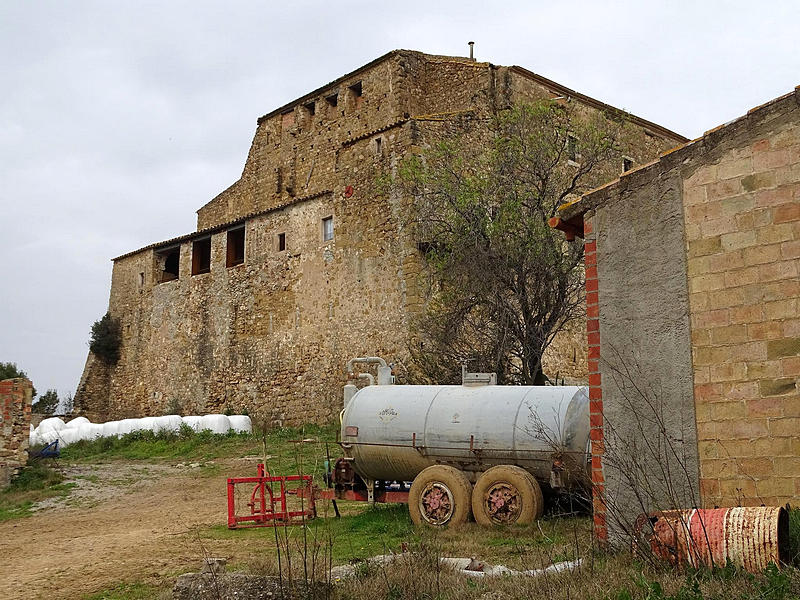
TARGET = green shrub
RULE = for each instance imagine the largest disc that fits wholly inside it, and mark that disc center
(106, 339)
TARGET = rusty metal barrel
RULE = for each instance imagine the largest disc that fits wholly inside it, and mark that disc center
(748, 537)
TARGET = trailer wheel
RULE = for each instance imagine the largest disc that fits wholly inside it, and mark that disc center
(506, 495)
(439, 497)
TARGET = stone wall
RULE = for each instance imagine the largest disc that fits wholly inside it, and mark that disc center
(273, 334)
(15, 418)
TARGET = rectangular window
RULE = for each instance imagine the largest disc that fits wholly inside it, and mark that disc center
(168, 261)
(235, 248)
(327, 229)
(572, 148)
(333, 99)
(281, 242)
(378, 146)
(201, 256)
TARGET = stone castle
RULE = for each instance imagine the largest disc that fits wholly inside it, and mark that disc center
(305, 262)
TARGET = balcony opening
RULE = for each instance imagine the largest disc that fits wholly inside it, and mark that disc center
(201, 256)
(168, 261)
(235, 249)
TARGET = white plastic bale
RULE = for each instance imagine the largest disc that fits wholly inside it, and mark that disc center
(53, 423)
(33, 436)
(241, 423)
(168, 423)
(90, 431)
(48, 436)
(77, 422)
(68, 436)
(126, 426)
(215, 423)
(147, 424)
(192, 421)
(110, 428)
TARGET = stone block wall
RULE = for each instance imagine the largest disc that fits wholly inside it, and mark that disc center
(742, 211)
(15, 418)
(273, 334)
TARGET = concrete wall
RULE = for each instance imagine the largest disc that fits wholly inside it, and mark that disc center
(15, 418)
(273, 335)
(639, 344)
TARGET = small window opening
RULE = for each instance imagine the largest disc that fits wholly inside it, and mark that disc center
(311, 107)
(627, 164)
(169, 260)
(141, 279)
(333, 99)
(201, 256)
(356, 89)
(327, 229)
(572, 148)
(235, 247)
(281, 242)
(378, 146)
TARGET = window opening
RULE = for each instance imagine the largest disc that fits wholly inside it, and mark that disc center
(378, 146)
(356, 89)
(141, 278)
(333, 99)
(572, 148)
(327, 229)
(168, 260)
(235, 248)
(311, 108)
(281, 242)
(627, 164)
(201, 256)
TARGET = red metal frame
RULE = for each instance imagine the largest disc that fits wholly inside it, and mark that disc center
(268, 508)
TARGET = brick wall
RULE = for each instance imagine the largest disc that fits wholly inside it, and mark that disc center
(15, 418)
(742, 212)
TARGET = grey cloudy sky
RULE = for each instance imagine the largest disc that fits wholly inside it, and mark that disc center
(119, 119)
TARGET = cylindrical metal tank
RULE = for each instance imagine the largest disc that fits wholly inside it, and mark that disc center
(392, 432)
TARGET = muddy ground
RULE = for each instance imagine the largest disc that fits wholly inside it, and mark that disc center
(122, 522)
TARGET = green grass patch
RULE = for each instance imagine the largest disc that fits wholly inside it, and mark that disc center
(794, 536)
(375, 530)
(129, 591)
(34, 483)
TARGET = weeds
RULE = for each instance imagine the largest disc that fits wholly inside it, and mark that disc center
(34, 483)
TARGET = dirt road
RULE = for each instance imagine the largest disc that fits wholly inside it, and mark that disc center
(123, 523)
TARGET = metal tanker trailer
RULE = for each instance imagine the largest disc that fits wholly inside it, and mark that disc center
(475, 448)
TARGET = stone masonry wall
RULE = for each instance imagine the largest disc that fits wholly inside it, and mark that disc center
(273, 334)
(15, 418)
(742, 211)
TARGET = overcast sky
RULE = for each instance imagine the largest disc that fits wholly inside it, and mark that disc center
(118, 120)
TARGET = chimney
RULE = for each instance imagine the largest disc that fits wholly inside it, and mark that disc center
(471, 47)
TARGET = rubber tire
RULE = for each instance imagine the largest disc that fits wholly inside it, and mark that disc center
(529, 490)
(455, 481)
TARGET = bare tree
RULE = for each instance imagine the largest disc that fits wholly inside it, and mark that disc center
(501, 283)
